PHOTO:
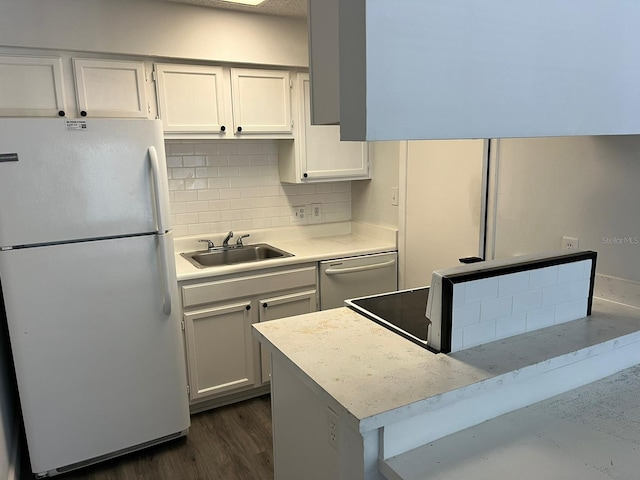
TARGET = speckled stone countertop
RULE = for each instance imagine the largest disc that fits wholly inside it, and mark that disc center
(378, 377)
(311, 244)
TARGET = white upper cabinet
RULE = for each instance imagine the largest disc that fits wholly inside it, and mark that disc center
(219, 102)
(110, 88)
(317, 154)
(454, 69)
(193, 99)
(31, 86)
(261, 101)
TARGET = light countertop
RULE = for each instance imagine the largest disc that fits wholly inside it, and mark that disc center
(321, 242)
(342, 355)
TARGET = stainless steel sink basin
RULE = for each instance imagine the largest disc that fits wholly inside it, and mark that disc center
(235, 255)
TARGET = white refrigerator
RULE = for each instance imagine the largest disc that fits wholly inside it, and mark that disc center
(88, 283)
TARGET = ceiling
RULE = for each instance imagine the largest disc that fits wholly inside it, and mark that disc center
(289, 8)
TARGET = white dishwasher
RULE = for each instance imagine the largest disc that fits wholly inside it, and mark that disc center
(344, 278)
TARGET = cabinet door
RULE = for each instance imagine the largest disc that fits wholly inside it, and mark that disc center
(261, 101)
(219, 349)
(323, 155)
(110, 88)
(280, 307)
(193, 99)
(31, 86)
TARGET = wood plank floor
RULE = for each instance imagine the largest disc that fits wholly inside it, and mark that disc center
(228, 443)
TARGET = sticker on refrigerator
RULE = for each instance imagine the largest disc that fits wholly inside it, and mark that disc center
(8, 157)
(76, 124)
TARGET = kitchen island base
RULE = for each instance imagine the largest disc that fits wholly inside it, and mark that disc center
(390, 396)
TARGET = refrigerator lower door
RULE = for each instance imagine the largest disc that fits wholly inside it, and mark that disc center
(100, 365)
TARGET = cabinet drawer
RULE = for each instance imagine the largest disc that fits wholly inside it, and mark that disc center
(232, 288)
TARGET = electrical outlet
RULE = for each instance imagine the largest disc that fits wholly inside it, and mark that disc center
(334, 431)
(299, 214)
(316, 213)
(570, 243)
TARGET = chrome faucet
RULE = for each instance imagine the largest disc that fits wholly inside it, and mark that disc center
(225, 242)
(210, 245)
(239, 242)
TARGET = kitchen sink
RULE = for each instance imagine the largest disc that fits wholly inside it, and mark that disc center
(234, 255)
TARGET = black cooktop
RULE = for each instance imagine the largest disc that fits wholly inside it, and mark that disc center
(402, 312)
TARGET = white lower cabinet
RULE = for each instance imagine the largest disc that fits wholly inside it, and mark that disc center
(219, 349)
(223, 358)
(281, 307)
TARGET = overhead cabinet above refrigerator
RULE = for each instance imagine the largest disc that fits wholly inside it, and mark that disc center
(488, 69)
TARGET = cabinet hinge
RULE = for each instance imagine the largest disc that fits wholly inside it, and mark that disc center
(291, 83)
(182, 325)
(148, 107)
(154, 76)
(188, 390)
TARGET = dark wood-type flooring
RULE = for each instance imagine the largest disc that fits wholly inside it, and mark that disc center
(227, 443)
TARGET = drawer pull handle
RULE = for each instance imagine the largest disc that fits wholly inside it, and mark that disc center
(363, 268)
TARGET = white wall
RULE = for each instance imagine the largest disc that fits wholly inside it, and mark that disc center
(584, 187)
(154, 28)
(371, 199)
(443, 217)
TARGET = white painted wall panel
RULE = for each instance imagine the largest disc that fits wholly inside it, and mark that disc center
(490, 69)
(154, 28)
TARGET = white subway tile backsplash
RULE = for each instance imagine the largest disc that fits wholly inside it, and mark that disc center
(513, 283)
(543, 277)
(478, 290)
(570, 272)
(217, 161)
(195, 161)
(512, 325)
(478, 334)
(459, 294)
(195, 184)
(466, 315)
(236, 184)
(173, 162)
(556, 294)
(540, 318)
(514, 303)
(205, 148)
(197, 206)
(208, 195)
(495, 308)
(456, 339)
(178, 148)
(579, 289)
(186, 196)
(526, 301)
(571, 310)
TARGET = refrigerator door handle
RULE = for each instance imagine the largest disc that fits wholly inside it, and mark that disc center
(160, 192)
(165, 274)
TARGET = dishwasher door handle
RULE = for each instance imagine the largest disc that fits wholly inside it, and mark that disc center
(362, 268)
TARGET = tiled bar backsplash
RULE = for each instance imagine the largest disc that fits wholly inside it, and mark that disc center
(501, 306)
(218, 185)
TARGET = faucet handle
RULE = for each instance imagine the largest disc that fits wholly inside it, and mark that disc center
(210, 245)
(239, 241)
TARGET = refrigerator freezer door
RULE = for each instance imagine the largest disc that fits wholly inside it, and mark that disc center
(100, 366)
(59, 183)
